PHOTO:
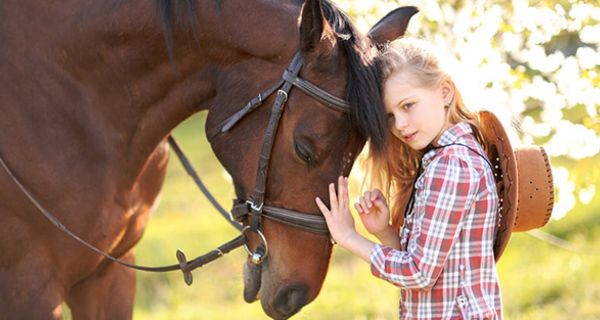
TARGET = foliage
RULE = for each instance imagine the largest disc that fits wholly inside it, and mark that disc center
(534, 63)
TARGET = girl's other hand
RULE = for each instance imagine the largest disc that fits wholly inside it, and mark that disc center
(374, 212)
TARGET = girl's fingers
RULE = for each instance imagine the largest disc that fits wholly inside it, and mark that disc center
(358, 208)
(322, 206)
(367, 197)
(380, 204)
(343, 191)
(376, 194)
(340, 190)
(363, 204)
(333, 201)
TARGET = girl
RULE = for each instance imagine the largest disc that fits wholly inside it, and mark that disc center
(443, 257)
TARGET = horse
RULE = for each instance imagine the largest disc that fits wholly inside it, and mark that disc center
(89, 92)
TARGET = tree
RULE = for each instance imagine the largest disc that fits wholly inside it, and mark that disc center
(534, 63)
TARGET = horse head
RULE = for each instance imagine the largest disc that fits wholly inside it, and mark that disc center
(313, 142)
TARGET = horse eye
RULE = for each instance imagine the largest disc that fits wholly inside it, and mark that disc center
(304, 153)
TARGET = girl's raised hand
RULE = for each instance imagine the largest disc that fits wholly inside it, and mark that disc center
(373, 212)
(339, 219)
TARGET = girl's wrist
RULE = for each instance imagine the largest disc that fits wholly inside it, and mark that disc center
(385, 233)
(345, 242)
(358, 245)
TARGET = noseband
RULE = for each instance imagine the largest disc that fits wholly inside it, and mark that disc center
(254, 208)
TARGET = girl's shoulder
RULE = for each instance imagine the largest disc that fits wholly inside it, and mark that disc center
(453, 158)
(465, 153)
(459, 147)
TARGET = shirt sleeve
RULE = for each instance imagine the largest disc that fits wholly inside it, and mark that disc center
(449, 188)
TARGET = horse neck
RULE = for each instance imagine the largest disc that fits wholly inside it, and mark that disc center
(134, 89)
(111, 73)
(144, 92)
(261, 29)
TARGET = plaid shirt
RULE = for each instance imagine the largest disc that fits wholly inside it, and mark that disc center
(446, 266)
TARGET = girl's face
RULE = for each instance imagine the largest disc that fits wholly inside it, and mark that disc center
(416, 115)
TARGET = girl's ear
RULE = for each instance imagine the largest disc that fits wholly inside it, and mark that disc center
(448, 91)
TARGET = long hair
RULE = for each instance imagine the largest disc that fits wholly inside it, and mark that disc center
(395, 169)
(363, 80)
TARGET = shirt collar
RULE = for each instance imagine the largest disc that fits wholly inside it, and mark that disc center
(451, 135)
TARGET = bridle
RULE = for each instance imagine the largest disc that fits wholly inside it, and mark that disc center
(253, 208)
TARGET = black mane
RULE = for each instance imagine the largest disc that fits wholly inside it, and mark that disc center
(363, 82)
(169, 8)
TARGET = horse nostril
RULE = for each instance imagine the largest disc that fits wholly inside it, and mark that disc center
(290, 300)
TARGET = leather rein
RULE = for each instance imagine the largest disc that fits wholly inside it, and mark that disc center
(254, 208)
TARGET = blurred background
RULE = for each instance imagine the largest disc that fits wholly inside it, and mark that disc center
(536, 65)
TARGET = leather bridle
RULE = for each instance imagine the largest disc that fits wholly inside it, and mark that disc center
(255, 207)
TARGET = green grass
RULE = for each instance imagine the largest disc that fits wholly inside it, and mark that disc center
(538, 281)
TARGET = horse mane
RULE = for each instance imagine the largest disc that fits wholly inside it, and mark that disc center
(169, 8)
(363, 81)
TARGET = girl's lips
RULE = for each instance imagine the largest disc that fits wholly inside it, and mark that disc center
(410, 137)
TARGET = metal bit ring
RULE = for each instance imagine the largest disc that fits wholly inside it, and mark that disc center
(256, 257)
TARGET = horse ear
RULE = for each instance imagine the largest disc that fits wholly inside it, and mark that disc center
(392, 26)
(316, 33)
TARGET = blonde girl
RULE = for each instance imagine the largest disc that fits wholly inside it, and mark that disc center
(438, 247)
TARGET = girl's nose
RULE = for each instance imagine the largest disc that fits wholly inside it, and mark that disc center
(400, 122)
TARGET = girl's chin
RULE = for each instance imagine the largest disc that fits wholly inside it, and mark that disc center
(418, 146)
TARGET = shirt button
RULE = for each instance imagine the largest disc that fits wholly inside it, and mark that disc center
(461, 267)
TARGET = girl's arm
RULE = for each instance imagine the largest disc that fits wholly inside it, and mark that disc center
(450, 186)
(358, 245)
(389, 238)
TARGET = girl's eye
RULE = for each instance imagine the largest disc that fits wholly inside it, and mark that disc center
(407, 106)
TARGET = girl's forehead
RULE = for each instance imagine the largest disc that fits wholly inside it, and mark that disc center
(403, 79)
(399, 87)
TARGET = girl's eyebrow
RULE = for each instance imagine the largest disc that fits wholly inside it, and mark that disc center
(407, 98)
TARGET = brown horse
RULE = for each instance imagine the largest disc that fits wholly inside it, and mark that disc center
(88, 93)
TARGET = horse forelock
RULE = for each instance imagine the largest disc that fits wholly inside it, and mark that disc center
(363, 81)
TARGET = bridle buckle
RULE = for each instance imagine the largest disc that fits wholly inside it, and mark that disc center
(283, 93)
(254, 207)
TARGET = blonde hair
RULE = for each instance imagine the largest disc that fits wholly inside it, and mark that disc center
(395, 168)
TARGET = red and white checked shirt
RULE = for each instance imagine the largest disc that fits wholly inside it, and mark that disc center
(446, 265)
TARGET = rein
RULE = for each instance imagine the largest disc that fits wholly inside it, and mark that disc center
(185, 266)
(254, 208)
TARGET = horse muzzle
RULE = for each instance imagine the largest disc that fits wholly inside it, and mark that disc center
(278, 303)
(252, 281)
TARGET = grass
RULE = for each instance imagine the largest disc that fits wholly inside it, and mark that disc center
(185, 219)
(538, 281)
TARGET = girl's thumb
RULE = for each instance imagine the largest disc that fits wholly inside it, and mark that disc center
(380, 204)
